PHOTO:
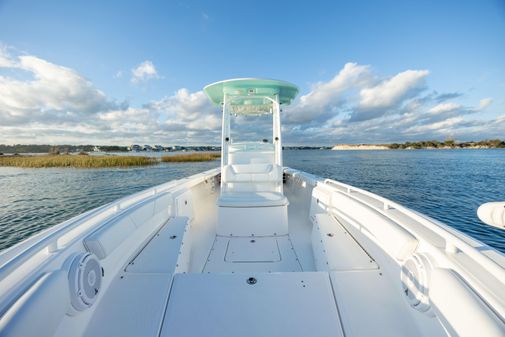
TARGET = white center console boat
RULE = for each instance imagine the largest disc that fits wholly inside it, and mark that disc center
(252, 249)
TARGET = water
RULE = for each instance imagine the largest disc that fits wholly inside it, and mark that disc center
(447, 185)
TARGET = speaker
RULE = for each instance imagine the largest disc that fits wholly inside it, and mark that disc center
(415, 278)
(85, 280)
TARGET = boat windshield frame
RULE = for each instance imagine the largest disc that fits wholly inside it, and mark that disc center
(226, 139)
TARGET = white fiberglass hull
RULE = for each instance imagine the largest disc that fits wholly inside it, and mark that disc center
(163, 263)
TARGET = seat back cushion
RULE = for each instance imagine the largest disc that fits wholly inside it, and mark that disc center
(252, 173)
(394, 239)
(252, 177)
(251, 157)
(107, 238)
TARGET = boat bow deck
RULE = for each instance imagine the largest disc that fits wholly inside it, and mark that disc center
(252, 304)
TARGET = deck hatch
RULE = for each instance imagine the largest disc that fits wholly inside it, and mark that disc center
(252, 250)
(265, 254)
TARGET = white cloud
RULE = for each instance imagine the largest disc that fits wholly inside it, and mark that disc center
(444, 107)
(485, 102)
(438, 126)
(326, 97)
(374, 109)
(326, 93)
(388, 94)
(5, 60)
(392, 91)
(58, 105)
(356, 90)
(186, 110)
(183, 117)
(143, 72)
(54, 93)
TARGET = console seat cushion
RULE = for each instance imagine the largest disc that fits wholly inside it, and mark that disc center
(252, 199)
(247, 173)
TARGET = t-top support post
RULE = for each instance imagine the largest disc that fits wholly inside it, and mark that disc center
(225, 136)
(276, 115)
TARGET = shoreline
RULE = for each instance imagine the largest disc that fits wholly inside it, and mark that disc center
(386, 148)
(426, 145)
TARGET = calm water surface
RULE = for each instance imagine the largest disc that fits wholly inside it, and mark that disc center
(447, 185)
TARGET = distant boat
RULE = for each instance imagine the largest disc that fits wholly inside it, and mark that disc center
(253, 249)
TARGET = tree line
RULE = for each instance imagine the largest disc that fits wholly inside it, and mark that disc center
(450, 143)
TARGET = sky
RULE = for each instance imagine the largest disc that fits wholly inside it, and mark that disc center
(123, 72)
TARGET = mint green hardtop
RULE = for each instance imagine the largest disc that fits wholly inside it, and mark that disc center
(250, 91)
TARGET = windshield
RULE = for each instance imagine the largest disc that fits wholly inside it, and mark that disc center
(251, 128)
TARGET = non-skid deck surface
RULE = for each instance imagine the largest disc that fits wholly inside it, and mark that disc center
(133, 306)
(370, 297)
(252, 254)
(277, 304)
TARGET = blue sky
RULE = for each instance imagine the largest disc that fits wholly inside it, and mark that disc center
(368, 71)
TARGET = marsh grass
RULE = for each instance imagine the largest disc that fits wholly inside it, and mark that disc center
(76, 161)
(191, 157)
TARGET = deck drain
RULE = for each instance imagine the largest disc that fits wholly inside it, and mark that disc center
(330, 235)
(252, 241)
(251, 280)
(173, 237)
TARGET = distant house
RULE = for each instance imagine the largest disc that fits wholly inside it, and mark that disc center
(148, 148)
(135, 147)
(158, 148)
(96, 149)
